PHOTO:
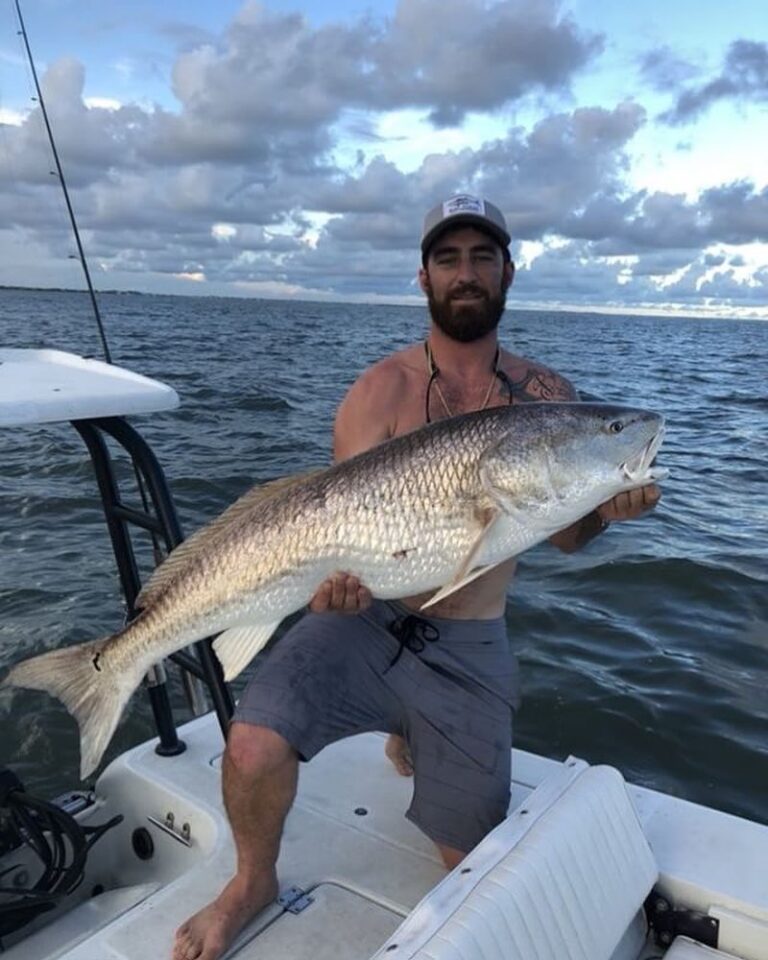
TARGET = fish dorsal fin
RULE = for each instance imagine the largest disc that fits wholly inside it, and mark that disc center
(237, 646)
(202, 538)
(466, 572)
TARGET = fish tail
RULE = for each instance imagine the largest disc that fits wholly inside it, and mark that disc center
(93, 693)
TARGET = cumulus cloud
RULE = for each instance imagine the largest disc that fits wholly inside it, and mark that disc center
(93, 140)
(537, 177)
(455, 56)
(574, 273)
(734, 213)
(744, 76)
(447, 56)
(274, 85)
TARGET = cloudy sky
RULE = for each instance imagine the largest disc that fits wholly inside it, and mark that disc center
(291, 149)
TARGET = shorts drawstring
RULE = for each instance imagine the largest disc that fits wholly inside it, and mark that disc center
(412, 632)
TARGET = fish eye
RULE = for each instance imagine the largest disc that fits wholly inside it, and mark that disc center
(615, 426)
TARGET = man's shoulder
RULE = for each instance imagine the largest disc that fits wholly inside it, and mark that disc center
(372, 409)
(532, 380)
(391, 373)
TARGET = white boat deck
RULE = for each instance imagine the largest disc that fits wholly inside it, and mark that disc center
(346, 839)
(347, 842)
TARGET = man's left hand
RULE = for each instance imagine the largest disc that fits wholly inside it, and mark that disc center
(630, 504)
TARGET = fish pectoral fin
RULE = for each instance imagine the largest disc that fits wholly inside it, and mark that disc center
(466, 572)
(455, 585)
(237, 646)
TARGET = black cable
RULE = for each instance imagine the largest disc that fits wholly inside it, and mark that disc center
(59, 842)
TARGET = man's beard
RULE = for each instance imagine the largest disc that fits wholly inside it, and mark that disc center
(467, 322)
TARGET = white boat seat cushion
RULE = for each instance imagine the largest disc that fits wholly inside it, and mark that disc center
(564, 876)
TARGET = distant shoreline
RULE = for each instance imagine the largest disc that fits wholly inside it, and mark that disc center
(607, 310)
(138, 293)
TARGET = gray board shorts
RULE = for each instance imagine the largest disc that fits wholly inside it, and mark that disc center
(449, 687)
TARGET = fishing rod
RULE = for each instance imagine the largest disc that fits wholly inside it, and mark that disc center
(60, 173)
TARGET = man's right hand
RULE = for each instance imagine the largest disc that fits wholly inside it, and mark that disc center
(341, 593)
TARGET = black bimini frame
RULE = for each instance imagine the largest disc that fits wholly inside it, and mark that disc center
(162, 522)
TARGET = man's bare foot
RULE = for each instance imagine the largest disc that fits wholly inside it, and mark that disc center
(397, 750)
(211, 931)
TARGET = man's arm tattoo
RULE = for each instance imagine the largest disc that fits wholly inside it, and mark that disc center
(540, 385)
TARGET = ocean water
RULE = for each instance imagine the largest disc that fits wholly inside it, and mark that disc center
(647, 650)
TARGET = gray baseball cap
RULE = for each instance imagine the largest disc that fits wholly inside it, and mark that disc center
(460, 210)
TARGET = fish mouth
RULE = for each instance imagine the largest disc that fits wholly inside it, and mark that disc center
(639, 470)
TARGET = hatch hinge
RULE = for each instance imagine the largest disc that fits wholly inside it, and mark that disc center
(294, 899)
(668, 922)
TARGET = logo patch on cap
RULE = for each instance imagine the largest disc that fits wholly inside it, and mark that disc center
(463, 204)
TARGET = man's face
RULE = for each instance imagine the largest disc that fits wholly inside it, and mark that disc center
(466, 280)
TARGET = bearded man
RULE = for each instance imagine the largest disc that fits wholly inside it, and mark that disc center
(443, 686)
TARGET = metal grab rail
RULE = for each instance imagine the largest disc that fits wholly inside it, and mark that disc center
(165, 522)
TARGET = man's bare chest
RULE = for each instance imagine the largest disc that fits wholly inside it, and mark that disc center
(426, 402)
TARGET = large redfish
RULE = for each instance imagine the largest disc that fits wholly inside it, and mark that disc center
(430, 510)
